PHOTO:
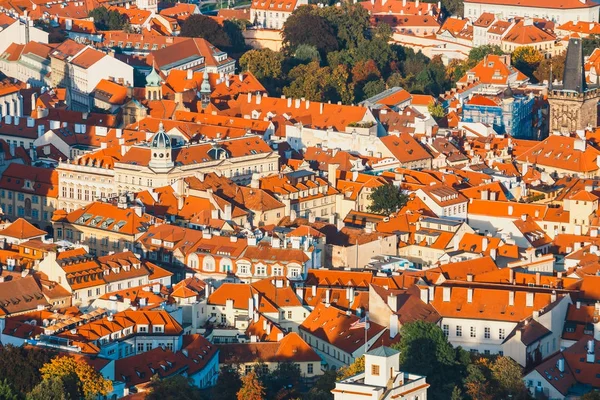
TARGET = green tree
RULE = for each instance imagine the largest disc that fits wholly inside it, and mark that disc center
(478, 53)
(20, 366)
(424, 350)
(307, 53)
(105, 19)
(322, 388)
(589, 44)
(174, 388)
(350, 23)
(202, 26)
(527, 59)
(233, 29)
(56, 388)
(252, 388)
(373, 88)
(228, 384)
(7, 392)
(263, 63)
(307, 27)
(387, 199)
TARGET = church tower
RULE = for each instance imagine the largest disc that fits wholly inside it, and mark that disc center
(161, 151)
(153, 86)
(205, 91)
(574, 103)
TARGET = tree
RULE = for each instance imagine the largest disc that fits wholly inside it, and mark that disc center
(233, 29)
(228, 384)
(589, 44)
(7, 392)
(556, 63)
(590, 396)
(252, 388)
(91, 382)
(56, 388)
(350, 22)
(307, 27)
(176, 387)
(322, 388)
(356, 367)
(373, 88)
(105, 19)
(201, 26)
(19, 366)
(424, 350)
(365, 71)
(527, 59)
(307, 53)
(283, 382)
(508, 375)
(263, 63)
(436, 110)
(478, 53)
(387, 199)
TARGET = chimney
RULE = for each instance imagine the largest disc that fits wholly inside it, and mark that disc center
(425, 295)
(560, 364)
(297, 103)
(313, 290)
(591, 357)
(327, 296)
(393, 325)
(484, 194)
(529, 297)
(538, 279)
(190, 74)
(553, 296)
(484, 243)
(470, 277)
(469, 295)
(511, 298)
(510, 210)
(447, 292)
(578, 304)
(392, 302)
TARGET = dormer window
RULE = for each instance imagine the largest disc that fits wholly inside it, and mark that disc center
(158, 329)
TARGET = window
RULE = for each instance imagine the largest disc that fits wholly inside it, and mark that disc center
(20, 196)
(140, 347)
(375, 370)
(446, 329)
(148, 346)
(309, 368)
(289, 315)
(458, 331)
(501, 333)
(261, 270)
(248, 369)
(486, 333)
(473, 331)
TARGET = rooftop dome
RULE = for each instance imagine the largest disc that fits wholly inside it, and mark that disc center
(153, 79)
(161, 140)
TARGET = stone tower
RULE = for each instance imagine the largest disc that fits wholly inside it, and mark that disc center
(574, 103)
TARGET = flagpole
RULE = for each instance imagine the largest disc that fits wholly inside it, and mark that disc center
(366, 327)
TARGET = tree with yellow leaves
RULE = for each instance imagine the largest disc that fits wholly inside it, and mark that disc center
(91, 383)
(355, 368)
(252, 388)
(527, 59)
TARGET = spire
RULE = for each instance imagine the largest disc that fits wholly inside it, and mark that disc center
(550, 79)
(574, 76)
